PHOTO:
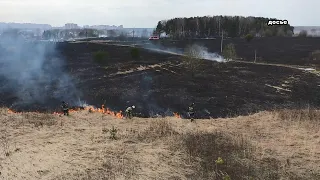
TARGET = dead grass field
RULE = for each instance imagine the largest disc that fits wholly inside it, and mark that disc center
(268, 145)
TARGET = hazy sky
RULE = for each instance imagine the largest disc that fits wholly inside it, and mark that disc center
(146, 13)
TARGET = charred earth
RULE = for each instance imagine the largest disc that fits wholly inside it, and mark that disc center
(279, 50)
(158, 83)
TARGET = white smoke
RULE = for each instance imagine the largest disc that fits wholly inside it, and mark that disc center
(200, 51)
(203, 53)
(33, 73)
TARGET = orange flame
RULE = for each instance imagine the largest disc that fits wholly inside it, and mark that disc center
(102, 110)
(11, 111)
(176, 115)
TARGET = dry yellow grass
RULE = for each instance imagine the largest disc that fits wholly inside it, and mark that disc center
(267, 145)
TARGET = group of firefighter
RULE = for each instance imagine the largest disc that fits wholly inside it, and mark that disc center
(129, 111)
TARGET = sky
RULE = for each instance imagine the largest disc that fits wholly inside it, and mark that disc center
(146, 13)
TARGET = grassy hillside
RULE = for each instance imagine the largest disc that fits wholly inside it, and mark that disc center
(268, 145)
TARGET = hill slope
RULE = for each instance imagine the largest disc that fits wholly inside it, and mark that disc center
(267, 145)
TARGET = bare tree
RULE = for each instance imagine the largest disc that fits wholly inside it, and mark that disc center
(198, 27)
(183, 24)
(180, 27)
(229, 52)
(205, 20)
(192, 58)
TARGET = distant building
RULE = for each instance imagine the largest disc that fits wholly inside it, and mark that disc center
(71, 26)
(103, 27)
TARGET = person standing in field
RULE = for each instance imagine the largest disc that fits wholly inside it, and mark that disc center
(65, 108)
(191, 112)
(129, 112)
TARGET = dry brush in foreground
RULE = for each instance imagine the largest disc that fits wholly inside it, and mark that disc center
(268, 145)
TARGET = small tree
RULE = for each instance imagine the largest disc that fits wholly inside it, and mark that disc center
(192, 58)
(229, 52)
(248, 37)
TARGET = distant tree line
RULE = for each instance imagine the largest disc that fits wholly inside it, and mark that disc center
(213, 26)
(69, 33)
(92, 33)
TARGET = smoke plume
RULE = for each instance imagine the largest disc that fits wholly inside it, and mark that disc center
(32, 74)
(201, 51)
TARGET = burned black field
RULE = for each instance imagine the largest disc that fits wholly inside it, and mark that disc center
(159, 84)
(156, 83)
(279, 50)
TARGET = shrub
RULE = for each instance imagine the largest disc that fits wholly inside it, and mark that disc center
(113, 133)
(229, 52)
(135, 53)
(248, 37)
(101, 57)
